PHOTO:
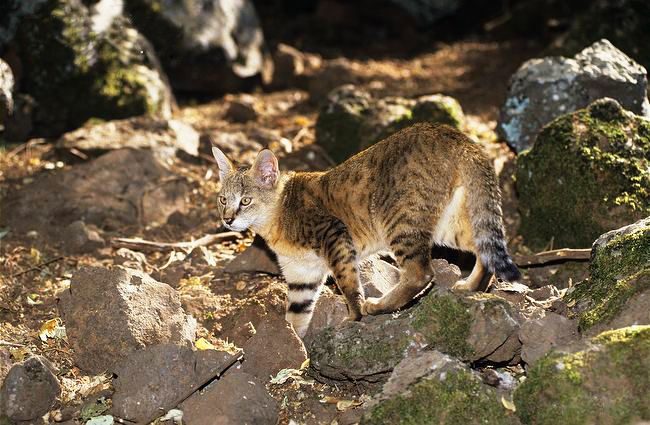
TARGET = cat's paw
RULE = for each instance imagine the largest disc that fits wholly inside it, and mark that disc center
(461, 286)
(371, 306)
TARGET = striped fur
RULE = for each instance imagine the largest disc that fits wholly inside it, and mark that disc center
(424, 185)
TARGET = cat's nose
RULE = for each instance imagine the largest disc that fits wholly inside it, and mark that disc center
(229, 220)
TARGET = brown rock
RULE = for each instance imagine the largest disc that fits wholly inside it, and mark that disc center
(81, 239)
(242, 109)
(237, 398)
(110, 313)
(29, 390)
(275, 346)
(330, 310)
(5, 362)
(539, 336)
(256, 258)
(377, 276)
(152, 381)
(108, 192)
(130, 259)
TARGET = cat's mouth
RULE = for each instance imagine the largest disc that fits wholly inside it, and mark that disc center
(234, 226)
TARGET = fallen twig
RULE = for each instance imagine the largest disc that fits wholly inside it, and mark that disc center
(556, 255)
(165, 246)
(38, 266)
(11, 344)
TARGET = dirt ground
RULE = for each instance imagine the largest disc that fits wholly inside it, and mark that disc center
(33, 272)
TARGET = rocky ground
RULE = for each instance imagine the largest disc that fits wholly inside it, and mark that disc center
(123, 299)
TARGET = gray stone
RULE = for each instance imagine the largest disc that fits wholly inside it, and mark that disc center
(111, 313)
(6, 92)
(237, 398)
(255, 258)
(152, 381)
(29, 390)
(206, 46)
(80, 239)
(242, 109)
(543, 89)
(539, 336)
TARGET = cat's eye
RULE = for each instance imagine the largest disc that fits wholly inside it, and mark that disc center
(222, 199)
(246, 200)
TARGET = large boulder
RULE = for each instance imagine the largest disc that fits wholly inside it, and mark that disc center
(543, 89)
(608, 382)
(108, 192)
(617, 293)
(432, 388)
(586, 174)
(205, 46)
(6, 92)
(352, 119)
(29, 390)
(471, 327)
(111, 313)
(79, 62)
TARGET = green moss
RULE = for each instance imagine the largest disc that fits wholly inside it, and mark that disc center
(460, 398)
(438, 109)
(585, 175)
(608, 383)
(619, 270)
(445, 322)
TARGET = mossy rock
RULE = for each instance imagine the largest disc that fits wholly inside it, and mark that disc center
(469, 327)
(352, 119)
(624, 22)
(606, 383)
(619, 271)
(586, 174)
(75, 73)
(448, 393)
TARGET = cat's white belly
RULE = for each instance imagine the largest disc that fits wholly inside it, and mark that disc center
(306, 267)
(447, 226)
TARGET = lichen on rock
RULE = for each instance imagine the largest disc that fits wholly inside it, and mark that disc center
(585, 175)
(607, 382)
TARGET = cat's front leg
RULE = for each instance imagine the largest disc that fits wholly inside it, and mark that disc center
(304, 281)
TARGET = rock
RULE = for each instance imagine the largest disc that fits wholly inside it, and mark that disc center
(437, 108)
(472, 327)
(20, 124)
(275, 346)
(544, 293)
(111, 313)
(377, 276)
(211, 46)
(595, 22)
(80, 239)
(584, 176)
(108, 192)
(606, 382)
(434, 388)
(237, 398)
(242, 109)
(151, 381)
(5, 363)
(237, 146)
(352, 120)
(618, 289)
(29, 390)
(292, 68)
(539, 336)
(133, 133)
(330, 311)
(543, 89)
(256, 258)
(329, 76)
(71, 52)
(6, 92)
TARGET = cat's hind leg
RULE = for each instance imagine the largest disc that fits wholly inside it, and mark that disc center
(413, 253)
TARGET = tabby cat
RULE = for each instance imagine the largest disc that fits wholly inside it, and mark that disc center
(423, 185)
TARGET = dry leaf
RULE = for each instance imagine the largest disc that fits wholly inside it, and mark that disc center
(19, 353)
(508, 404)
(343, 405)
(304, 364)
(204, 344)
(53, 328)
(35, 255)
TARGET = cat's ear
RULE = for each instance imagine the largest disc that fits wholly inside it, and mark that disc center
(265, 169)
(224, 164)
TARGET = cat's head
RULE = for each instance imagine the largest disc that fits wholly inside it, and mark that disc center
(248, 194)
